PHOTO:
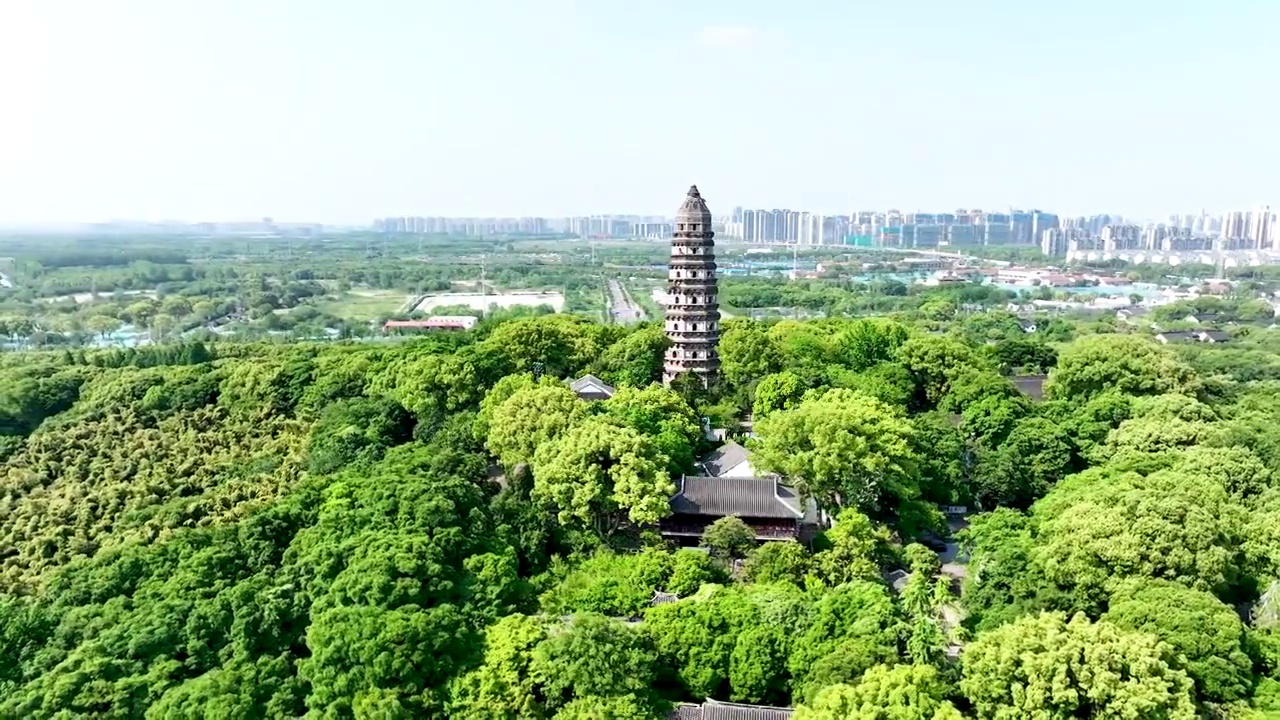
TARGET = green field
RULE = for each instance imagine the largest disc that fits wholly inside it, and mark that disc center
(364, 304)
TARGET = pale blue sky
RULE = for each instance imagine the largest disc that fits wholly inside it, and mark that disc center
(340, 111)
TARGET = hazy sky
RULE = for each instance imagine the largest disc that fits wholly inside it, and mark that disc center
(340, 111)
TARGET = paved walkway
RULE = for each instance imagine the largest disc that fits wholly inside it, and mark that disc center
(622, 309)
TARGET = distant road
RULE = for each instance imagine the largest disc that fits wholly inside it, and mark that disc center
(622, 309)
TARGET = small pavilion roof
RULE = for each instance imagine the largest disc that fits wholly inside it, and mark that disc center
(723, 458)
(591, 385)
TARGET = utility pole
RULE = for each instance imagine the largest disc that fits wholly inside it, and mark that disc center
(484, 307)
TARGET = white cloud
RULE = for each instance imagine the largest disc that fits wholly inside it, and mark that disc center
(728, 37)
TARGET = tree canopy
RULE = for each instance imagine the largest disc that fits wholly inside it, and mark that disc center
(846, 449)
(438, 526)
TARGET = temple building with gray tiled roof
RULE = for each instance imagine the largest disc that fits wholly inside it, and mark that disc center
(773, 510)
(713, 710)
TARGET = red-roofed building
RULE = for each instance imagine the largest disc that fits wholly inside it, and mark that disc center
(451, 323)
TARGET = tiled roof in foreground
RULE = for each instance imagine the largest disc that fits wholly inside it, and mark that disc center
(712, 710)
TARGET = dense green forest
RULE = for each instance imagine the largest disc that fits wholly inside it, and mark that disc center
(441, 528)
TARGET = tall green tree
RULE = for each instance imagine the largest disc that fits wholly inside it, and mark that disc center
(348, 430)
(729, 538)
(598, 474)
(503, 686)
(774, 562)
(778, 391)
(592, 656)
(747, 353)
(635, 360)
(1035, 456)
(617, 707)
(530, 418)
(942, 456)
(844, 449)
(557, 345)
(1002, 582)
(934, 363)
(1099, 527)
(888, 382)
(497, 395)
(854, 627)
(690, 570)
(1045, 666)
(854, 547)
(867, 342)
(1207, 632)
(664, 418)
(885, 692)
(1130, 364)
(402, 570)
(758, 665)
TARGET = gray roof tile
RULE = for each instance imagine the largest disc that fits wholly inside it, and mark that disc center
(590, 384)
(744, 497)
(724, 458)
(712, 710)
(1031, 385)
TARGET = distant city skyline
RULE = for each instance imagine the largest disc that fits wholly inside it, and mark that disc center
(1237, 217)
(1255, 228)
(339, 112)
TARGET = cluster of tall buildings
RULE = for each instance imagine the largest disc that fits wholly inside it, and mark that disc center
(594, 226)
(1252, 230)
(1233, 232)
(891, 228)
(1257, 227)
(462, 226)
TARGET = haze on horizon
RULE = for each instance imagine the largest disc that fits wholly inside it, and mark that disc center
(343, 111)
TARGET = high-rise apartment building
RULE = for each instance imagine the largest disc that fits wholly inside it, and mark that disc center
(1261, 231)
(1234, 225)
(1042, 222)
(1121, 237)
(1058, 241)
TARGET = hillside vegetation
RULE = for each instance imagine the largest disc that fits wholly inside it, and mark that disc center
(441, 528)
